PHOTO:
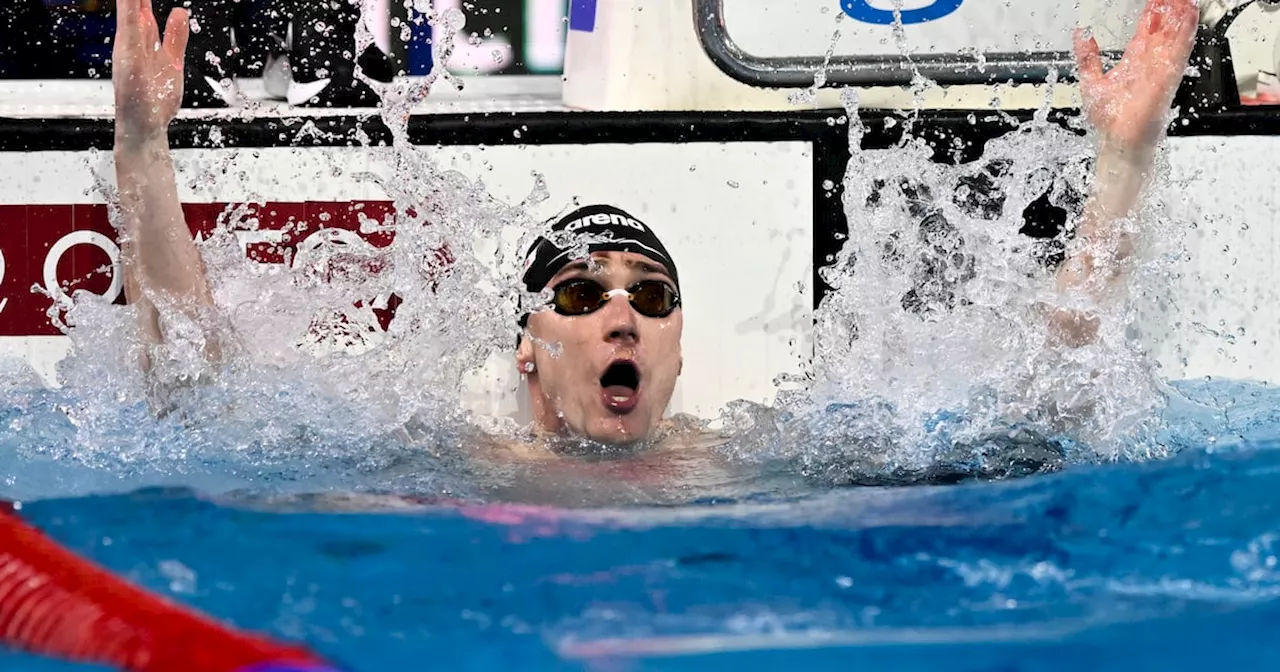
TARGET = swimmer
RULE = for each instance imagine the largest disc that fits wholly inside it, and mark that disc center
(617, 322)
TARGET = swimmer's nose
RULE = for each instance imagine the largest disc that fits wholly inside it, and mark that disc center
(620, 321)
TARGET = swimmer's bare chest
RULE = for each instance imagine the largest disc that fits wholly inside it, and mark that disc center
(668, 458)
(552, 470)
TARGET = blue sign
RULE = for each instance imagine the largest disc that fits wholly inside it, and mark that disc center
(582, 15)
(861, 10)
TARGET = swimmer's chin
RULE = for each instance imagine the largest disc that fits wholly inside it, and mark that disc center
(616, 441)
(535, 443)
(602, 444)
(604, 435)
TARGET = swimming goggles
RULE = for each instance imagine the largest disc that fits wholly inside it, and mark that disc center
(579, 296)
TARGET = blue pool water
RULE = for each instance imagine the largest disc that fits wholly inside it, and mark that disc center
(1169, 564)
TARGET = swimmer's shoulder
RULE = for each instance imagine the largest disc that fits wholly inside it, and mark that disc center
(494, 447)
(685, 433)
(473, 440)
(527, 450)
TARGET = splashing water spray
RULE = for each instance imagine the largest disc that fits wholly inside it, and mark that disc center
(306, 369)
(932, 346)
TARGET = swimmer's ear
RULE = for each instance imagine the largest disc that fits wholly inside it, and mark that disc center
(524, 355)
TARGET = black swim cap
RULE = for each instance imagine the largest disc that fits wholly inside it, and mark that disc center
(607, 229)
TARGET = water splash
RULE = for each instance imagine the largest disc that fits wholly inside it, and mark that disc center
(311, 383)
(933, 357)
(933, 347)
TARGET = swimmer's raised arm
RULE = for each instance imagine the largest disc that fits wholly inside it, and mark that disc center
(1127, 105)
(161, 262)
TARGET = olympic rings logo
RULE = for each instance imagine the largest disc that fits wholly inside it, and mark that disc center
(82, 238)
(64, 244)
(339, 248)
(862, 10)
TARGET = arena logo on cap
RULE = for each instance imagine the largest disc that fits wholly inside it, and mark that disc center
(864, 11)
(604, 219)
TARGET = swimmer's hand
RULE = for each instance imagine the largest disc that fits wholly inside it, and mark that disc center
(147, 73)
(160, 259)
(1128, 103)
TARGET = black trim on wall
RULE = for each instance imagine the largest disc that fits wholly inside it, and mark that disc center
(69, 134)
(957, 136)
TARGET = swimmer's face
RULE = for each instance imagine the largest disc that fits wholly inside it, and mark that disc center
(609, 374)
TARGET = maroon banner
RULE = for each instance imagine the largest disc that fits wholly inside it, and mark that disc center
(66, 248)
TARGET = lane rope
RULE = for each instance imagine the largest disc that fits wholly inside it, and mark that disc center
(55, 603)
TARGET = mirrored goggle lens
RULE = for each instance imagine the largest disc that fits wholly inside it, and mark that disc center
(578, 297)
(652, 298)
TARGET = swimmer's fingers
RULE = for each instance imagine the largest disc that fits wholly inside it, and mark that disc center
(176, 33)
(1181, 22)
(126, 14)
(1088, 59)
(1168, 26)
(1184, 17)
(126, 23)
(1152, 19)
(150, 31)
(135, 26)
(1163, 44)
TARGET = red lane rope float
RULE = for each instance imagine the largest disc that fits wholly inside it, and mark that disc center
(55, 603)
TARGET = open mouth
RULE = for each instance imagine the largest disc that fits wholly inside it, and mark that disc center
(620, 384)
